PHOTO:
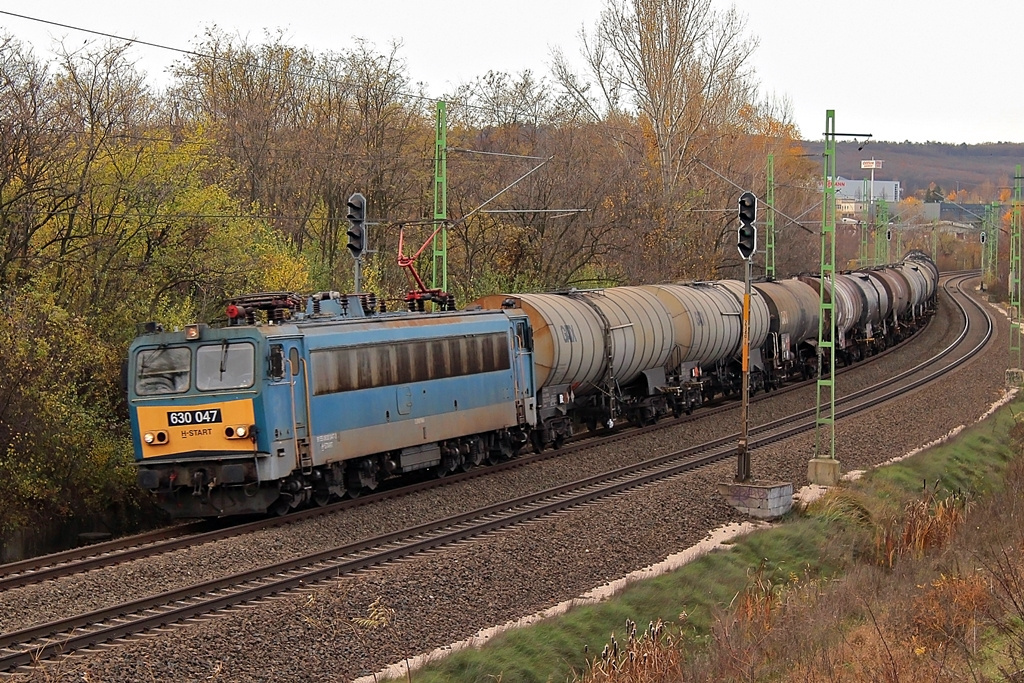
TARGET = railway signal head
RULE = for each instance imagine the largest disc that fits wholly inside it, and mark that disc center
(357, 224)
(746, 236)
(983, 237)
(888, 235)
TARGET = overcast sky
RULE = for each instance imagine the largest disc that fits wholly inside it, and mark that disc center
(900, 70)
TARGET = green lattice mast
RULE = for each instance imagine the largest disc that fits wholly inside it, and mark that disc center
(440, 261)
(987, 224)
(881, 233)
(825, 410)
(769, 232)
(997, 228)
(1015, 247)
(993, 242)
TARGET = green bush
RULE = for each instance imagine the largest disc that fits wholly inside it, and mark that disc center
(64, 444)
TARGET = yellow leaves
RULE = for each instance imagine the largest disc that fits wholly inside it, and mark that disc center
(62, 449)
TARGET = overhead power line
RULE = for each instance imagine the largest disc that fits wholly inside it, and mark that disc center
(228, 60)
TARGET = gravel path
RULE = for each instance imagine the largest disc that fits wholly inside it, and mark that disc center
(449, 595)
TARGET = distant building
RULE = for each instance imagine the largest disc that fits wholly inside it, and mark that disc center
(954, 213)
(861, 190)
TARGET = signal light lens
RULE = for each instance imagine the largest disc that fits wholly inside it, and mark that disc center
(149, 438)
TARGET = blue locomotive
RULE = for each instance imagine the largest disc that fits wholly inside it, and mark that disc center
(301, 399)
(297, 400)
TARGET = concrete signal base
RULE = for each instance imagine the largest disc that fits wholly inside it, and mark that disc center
(823, 471)
(760, 499)
(1015, 378)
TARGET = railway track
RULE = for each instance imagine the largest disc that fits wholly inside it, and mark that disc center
(50, 641)
(159, 541)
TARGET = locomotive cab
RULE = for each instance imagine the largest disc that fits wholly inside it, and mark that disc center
(194, 396)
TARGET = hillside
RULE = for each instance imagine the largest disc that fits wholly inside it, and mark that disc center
(981, 170)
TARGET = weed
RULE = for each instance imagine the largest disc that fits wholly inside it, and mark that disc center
(926, 523)
(648, 656)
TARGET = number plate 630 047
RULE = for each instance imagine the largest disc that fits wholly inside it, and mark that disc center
(176, 418)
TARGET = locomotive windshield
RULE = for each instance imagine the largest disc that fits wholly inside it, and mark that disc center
(225, 366)
(165, 370)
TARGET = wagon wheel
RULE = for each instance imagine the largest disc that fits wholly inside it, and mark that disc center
(280, 507)
(537, 441)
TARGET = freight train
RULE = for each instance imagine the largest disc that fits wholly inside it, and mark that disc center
(298, 400)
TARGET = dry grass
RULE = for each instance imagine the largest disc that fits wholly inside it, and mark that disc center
(652, 655)
(926, 524)
(926, 602)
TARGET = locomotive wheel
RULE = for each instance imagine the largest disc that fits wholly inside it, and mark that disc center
(353, 493)
(321, 498)
(280, 507)
(559, 441)
(591, 425)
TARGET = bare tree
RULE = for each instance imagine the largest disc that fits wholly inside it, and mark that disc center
(680, 70)
(33, 156)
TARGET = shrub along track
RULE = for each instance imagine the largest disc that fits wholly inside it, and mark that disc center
(39, 643)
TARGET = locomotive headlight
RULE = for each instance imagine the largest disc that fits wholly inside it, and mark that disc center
(158, 438)
(238, 431)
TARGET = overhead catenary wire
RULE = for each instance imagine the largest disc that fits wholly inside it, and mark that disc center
(227, 60)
